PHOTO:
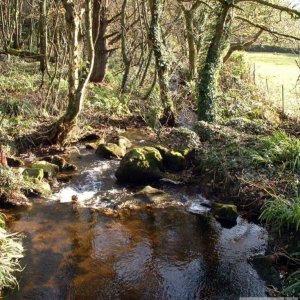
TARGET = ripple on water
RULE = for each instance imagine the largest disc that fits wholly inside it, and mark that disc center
(93, 187)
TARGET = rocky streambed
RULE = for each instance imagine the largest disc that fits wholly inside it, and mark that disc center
(99, 238)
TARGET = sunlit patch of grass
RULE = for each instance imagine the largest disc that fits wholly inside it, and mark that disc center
(272, 71)
(279, 148)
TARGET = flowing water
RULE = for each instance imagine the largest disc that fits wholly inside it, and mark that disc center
(73, 251)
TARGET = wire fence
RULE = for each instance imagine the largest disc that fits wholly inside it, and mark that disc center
(281, 88)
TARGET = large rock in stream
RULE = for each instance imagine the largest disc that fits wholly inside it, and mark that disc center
(148, 196)
(226, 214)
(110, 150)
(140, 165)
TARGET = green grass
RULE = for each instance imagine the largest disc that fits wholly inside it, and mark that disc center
(10, 181)
(282, 213)
(11, 251)
(293, 288)
(274, 71)
(279, 149)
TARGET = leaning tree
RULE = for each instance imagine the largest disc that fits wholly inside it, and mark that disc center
(76, 15)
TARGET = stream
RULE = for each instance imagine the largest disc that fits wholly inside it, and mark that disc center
(175, 252)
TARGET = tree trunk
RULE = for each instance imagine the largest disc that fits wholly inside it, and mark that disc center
(125, 56)
(43, 37)
(241, 46)
(100, 24)
(188, 14)
(3, 160)
(77, 86)
(156, 38)
(208, 79)
(17, 33)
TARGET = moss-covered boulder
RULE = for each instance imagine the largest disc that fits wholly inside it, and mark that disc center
(226, 214)
(140, 165)
(38, 189)
(124, 142)
(62, 164)
(34, 173)
(43, 188)
(110, 150)
(50, 170)
(162, 150)
(181, 138)
(174, 161)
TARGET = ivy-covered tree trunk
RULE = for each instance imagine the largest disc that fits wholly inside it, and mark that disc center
(77, 86)
(100, 25)
(159, 50)
(209, 75)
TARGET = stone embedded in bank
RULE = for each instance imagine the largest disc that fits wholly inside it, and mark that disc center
(49, 169)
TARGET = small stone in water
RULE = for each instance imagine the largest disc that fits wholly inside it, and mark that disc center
(74, 198)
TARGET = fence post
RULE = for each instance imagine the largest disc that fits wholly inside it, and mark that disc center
(282, 95)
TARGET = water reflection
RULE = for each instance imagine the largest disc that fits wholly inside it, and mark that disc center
(152, 254)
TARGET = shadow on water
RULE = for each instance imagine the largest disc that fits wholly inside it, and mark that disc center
(78, 253)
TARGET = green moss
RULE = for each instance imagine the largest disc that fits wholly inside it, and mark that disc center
(49, 169)
(124, 142)
(225, 212)
(34, 173)
(174, 161)
(140, 165)
(110, 150)
(162, 150)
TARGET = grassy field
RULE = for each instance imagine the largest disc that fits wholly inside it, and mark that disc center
(272, 71)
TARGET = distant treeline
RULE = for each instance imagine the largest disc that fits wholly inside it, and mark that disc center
(269, 48)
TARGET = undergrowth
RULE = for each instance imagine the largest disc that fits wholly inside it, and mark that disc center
(280, 148)
(11, 251)
(10, 181)
(293, 288)
(281, 213)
